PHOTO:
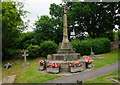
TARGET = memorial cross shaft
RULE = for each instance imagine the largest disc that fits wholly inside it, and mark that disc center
(65, 33)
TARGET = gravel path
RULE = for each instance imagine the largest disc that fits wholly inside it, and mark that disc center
(87, 75)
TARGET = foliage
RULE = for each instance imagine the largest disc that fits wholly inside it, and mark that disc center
(24, 40)
(95, 18)
(34, 51)
(83, 47)
(48, 47)
(109, 34)
(12, 24)
(99, 45)
(47, 29)
(91, 17)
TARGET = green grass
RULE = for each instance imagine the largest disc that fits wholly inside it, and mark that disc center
(112, 57)
(102, 79)
(28, 74)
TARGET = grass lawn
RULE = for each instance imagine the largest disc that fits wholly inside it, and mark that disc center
(112, 57)
(30, 74)
(102, 79)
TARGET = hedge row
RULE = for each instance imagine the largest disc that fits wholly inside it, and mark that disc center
(45, 48)
(99, 45)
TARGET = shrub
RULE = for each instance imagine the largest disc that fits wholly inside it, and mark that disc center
(47, 47)
(34, 51)
(6, 53)
(100, 45)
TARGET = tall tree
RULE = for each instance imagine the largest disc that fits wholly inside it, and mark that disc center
(11, 22)
(47, 29)
(94, 18)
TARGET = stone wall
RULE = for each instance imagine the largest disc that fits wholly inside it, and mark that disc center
(114, 44)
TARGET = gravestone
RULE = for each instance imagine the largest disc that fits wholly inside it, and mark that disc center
(9, 79)
(49, 57)
(25, 59)
(92, 53)
(7, 65)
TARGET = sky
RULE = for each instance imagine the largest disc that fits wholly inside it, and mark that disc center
(37, 8)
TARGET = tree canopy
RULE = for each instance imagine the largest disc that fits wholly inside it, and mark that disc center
(95, 18)
(12, 23)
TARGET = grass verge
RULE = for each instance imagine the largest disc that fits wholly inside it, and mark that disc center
(103, 79)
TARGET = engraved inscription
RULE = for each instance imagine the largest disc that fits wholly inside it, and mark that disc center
(59, 57)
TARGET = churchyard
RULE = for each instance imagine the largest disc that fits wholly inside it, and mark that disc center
(58, 50)
(31, 74)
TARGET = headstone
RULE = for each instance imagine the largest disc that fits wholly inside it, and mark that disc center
(9, 79)
(7, 65)
(49, 57)
(92, 53)
(25, 59)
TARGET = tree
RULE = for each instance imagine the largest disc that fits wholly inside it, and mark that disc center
(11, 22)
(94, 18)
(47, 29)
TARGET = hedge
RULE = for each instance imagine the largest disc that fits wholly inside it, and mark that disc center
(34, 51)
(48, 47)
(99, 45)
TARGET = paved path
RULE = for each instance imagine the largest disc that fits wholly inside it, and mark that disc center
(88, 74)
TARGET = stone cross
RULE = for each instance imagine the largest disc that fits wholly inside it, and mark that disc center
(25, 54)
(65, 33)
(25, 59)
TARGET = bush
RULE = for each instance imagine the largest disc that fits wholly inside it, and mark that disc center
(6, 53)
(48, 47)
(100, 45)
(34, 51)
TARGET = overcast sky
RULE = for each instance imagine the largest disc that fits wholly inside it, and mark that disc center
(37, 8)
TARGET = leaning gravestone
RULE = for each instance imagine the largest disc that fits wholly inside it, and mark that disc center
(8, 65)
(25, 59)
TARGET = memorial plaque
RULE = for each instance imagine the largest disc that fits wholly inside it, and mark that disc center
(59, 57)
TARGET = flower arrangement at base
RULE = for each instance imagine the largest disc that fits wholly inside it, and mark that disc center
(42, 64)
(75, 66)
(89, 62)
(53, 67)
